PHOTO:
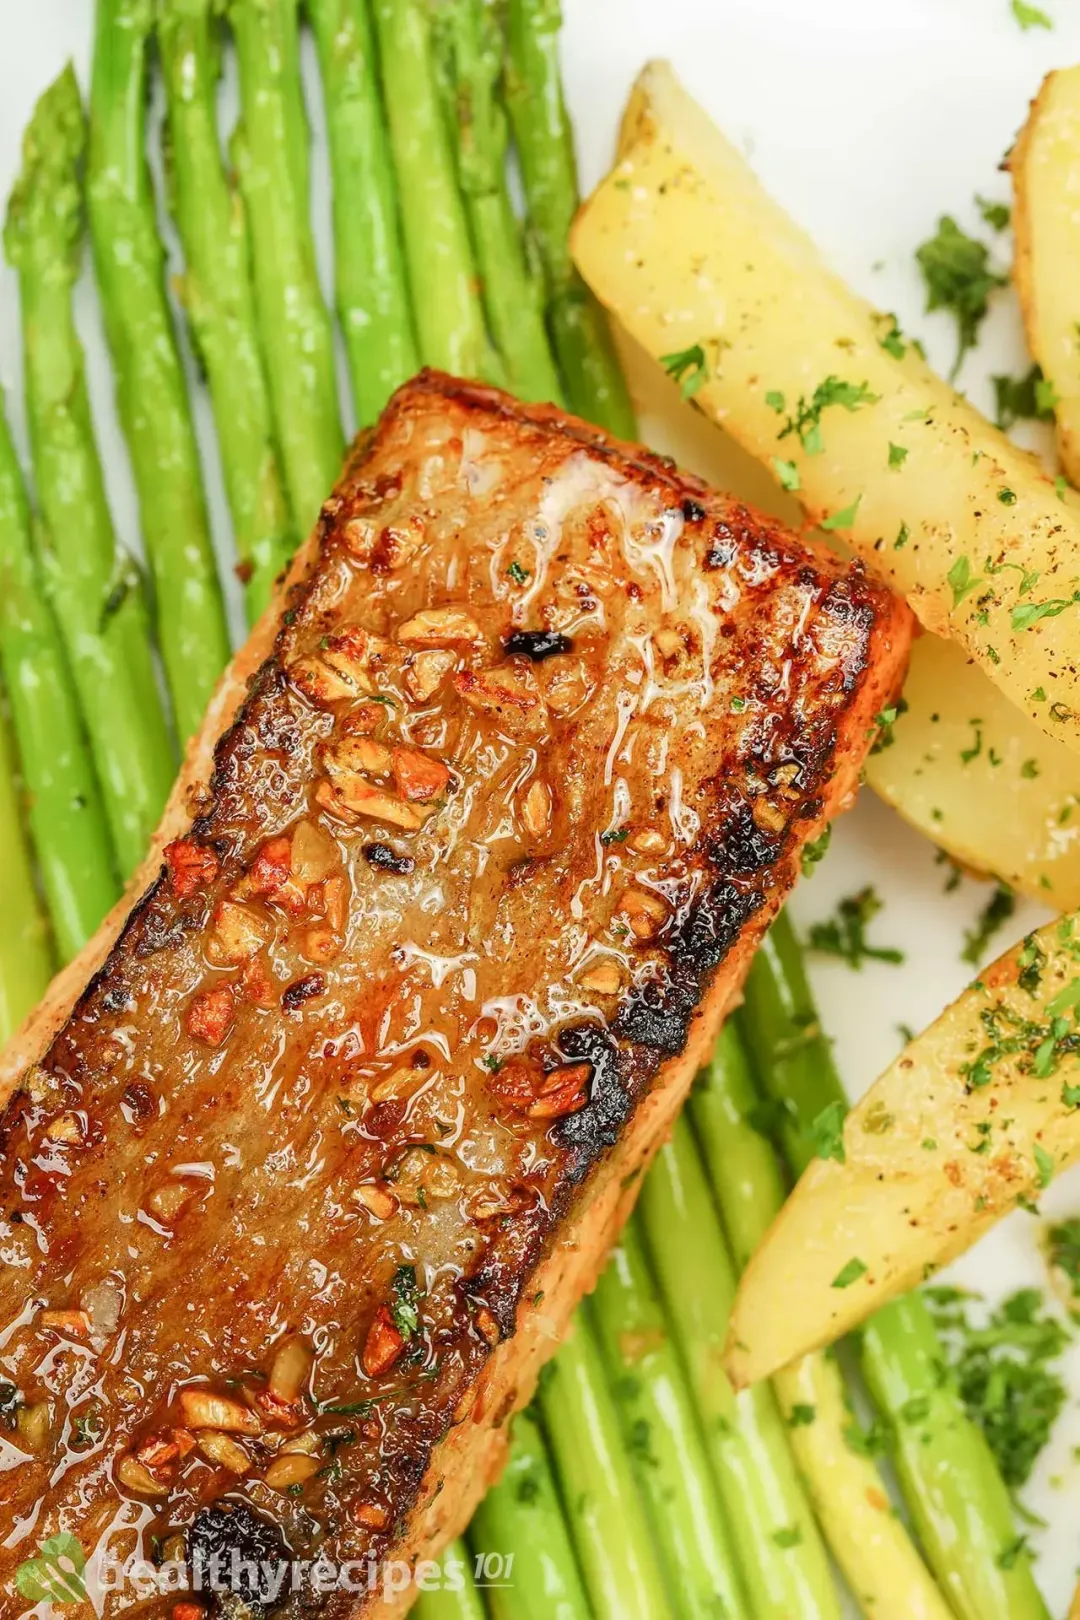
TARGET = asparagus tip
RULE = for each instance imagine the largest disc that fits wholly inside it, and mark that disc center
(47, 196)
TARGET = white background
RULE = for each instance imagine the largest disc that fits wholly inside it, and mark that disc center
(867, 119)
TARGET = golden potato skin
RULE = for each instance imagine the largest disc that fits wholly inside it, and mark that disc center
(965, 767)
(975, 1116)
(684, 246)
(1045, 168)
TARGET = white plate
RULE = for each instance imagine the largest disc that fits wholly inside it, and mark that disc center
(866, 119)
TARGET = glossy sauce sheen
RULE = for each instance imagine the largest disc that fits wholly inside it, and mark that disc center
(545, 727)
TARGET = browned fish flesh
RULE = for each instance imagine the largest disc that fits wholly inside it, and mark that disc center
(309, 1157)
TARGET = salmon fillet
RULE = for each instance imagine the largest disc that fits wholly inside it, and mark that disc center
(309, 1157)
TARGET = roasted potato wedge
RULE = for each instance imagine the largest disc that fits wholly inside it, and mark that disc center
(965, 767)
(975, 1116)
(685, 247)
(1045, 164)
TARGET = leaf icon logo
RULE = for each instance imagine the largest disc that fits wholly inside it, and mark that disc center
(56, 1574)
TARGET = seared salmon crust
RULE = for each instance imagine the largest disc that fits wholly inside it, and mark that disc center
(309, 1158)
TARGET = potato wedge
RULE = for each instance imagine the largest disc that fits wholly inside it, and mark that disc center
(966, 768)
(685, 247)
(975, 1116)
(1045, 165)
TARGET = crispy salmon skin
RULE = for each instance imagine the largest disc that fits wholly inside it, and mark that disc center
(308, 1161)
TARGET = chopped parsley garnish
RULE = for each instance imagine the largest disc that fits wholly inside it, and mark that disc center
(518, 574)
(814, 851)
(996, 214)
(616, 835)
(688, 368)
(1011, 1552)
(1028, 613)
(1063, 1258)
(869, 1442)
(801, 1416)
(405, 1301)
(87, 1428)
(806, 422)
(844, 935)
(827, 1132)
(789, 1537)
(1029, 16)
(849, 1273)
(787, 473)
(961, 580)
(959, 279)
(902, 537)
(993, 916)
(1036, 1044)
(1044, 1166)
(898, 454)
(1024, 399)
(884, 721)
(894, 342)
(842, 519)
(1006, 1374)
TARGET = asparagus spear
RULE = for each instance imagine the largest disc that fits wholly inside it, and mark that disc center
(150, 390)
(607, 1518)
(25, 956)
(522, 1514)
(452, 1602)
(369, 262)
(94, 587)
(67, 819)
(660, 1428)
(868, 1541)
(449, 318)
(958, 1502)
(270, 147)
(545, 144)
(784, 1565)
(470, 52)
(219, 298)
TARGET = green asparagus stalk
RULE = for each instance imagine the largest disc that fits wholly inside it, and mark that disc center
(446, 303)
(545, 144)
(452, 1602)
(784, 1565)
(869, 1543)
(470, 52)
(25, 955)
(607, 1517)
(522, 1514)
(150, 389)
(94, 587)
(270, 147)
(958, 1502)
(660, 1428)
(219, 298)
(67, 821)
(370, 279)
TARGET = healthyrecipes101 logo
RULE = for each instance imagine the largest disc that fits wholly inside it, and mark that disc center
(56, 1575)
(59, 1575)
